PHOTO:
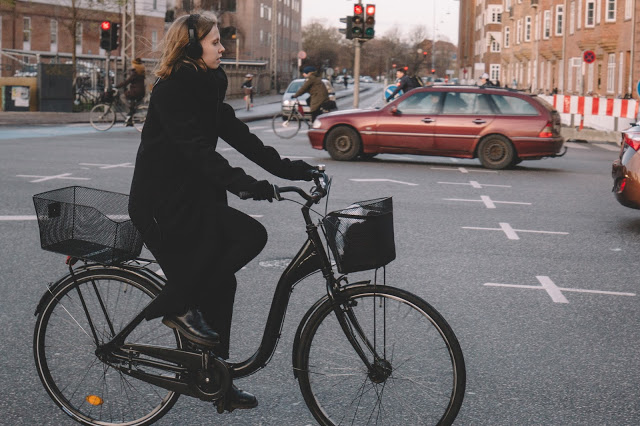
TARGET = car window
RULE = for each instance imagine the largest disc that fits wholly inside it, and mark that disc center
(294, 86)
(467, 103)
(512, 105)
(420, 103)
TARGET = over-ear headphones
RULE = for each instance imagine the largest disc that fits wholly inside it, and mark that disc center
(194, 48)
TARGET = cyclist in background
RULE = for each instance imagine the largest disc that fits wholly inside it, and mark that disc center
(318, 94)
(136, 90)
(405, 83)
(247, 87)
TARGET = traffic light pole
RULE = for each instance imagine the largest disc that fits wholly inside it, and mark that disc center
(356, 74)
(106, 73)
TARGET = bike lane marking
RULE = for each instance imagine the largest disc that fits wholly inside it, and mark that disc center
(463, 170)
(475, 184)
(488, 202)
(384, 180)
(555, 292)
(107, 166)
(511, 233)
(45, 178)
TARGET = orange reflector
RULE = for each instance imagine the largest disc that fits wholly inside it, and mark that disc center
(94, 400)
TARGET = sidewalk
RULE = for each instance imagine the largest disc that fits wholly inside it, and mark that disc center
(265, 106)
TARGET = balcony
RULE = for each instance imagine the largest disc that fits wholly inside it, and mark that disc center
(534, 3)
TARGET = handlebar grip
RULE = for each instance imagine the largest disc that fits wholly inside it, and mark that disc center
(244, 195)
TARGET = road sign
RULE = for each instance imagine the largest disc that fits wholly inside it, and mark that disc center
(389, 90)
(302, 54)
(589, 56)
(638, 88)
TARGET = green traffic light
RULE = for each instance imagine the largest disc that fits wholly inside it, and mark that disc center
(369, 32)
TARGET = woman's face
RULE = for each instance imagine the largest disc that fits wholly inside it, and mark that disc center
(212, 48)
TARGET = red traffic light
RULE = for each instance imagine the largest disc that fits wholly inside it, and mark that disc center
(393, 66)
(371, 9)
(425, 53)
(357, 9)
(433, 70)
(106, 25)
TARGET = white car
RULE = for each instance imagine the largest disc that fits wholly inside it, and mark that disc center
(288, 101)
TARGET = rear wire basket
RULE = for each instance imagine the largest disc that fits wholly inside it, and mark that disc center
(361, 236)
(87, 223)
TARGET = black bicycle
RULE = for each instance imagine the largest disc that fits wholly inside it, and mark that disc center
(287, 124)
(364, 353)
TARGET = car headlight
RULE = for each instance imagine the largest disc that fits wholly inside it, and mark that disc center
(285, 103)
(316, 124)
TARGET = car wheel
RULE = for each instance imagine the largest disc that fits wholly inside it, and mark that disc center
(496, 152)
(343, 143)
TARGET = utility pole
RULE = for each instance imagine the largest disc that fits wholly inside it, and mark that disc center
(273, 63)
(128, 35)
(356, 74)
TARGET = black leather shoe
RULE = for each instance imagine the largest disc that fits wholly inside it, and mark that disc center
(193, 326)
(237, 398)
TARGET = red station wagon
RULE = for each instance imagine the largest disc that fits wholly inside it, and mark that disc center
(500, 127)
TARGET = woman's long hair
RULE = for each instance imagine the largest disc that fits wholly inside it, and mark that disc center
(174, 45)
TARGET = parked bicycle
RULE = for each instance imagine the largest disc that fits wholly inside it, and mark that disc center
(103, 116)
(287, 125)
(365, 353)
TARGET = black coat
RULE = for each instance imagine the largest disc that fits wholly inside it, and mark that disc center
(179, 174)
(136, 85)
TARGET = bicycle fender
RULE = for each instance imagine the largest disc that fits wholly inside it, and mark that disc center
(305, 320)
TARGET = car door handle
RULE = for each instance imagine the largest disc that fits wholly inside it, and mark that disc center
(428, 120)
(479, 121)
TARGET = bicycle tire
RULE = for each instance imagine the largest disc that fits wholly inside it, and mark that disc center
(65, 349)
(426, 377)
(139, 117)
(102, 117)
(286, 125)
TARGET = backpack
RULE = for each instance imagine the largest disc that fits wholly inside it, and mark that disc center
(415, 81)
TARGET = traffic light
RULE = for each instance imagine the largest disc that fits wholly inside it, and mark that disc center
(105, 35)
(347, 31)
(114, 36)
(357, 21)
(369, 21)
(433, 70)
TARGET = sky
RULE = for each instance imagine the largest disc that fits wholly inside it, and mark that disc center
(403, 14)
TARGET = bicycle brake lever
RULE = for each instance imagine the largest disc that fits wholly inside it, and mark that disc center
(276, 192)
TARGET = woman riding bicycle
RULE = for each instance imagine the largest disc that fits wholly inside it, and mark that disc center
(178, 197)
(136, 90)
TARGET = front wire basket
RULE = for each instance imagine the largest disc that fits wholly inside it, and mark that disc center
(87, 223)
(361, 236)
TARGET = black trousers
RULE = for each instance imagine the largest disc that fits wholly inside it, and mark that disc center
(202, 274)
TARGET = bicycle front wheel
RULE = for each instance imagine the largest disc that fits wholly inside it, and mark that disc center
(139, 117)
(418, 376)
(102, 117)
(286, 126)
(99, 303)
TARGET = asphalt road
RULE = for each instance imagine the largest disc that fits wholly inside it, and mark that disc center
(547, 320)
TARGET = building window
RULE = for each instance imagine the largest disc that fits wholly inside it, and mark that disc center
(527, 28)
(494, 72)
(620, 72)
(154, 40)
(79, 34)
(598, 11)
(590, 14)
(611, 71)
(579, 20)
(26, 30)
(495, 14)
(572, 17)
(546, 33)
(519, 31)
(611, 11)
(507, 36)
(628, 5)
(494, 44)
(54, 32)
(559, 19)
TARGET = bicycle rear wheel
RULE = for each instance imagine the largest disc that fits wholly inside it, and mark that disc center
(419, 377)
(102, 117)
(286, 126)
(87, 389)
(139, 117)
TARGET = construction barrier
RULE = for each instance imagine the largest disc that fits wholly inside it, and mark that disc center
(586, 105)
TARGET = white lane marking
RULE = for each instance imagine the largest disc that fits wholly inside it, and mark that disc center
(296, 156)
(107, 166)
(384, 180)
(488, 202)
(44, 178)
(463, 170)
(511, 233)
(608, 147)
(555, 292)
(17, 218)
(576, 145)
(252, 128)
(475, 184)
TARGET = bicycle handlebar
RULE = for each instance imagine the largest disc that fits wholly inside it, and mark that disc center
(312, 197)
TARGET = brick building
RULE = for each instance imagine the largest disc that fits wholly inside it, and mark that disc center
(539, 45)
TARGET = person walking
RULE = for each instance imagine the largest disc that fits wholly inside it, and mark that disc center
(178, 198)
(318, 94)
(136, 90)
(247, 87)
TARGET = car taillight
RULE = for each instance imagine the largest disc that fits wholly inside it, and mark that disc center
(632, 139)
(623, 183)
(547, 131)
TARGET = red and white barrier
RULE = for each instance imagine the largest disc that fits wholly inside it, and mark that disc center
(586, 105)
